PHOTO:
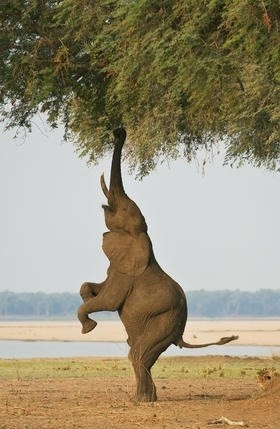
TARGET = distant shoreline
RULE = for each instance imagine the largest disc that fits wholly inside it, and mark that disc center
(256, 332)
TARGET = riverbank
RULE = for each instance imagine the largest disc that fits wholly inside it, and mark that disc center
(255, 332)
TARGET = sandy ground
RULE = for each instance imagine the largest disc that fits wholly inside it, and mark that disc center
(255, 332)
(107, 403)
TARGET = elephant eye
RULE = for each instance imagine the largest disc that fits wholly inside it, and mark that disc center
(105, 207)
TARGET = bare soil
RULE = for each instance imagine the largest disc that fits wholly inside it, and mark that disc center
(92, 402)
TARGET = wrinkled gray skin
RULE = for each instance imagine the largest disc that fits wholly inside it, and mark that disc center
(151, 305)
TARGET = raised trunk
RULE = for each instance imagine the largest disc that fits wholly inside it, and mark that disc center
(116, 184)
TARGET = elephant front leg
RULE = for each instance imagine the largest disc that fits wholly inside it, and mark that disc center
(110, 296)
(88, 291)
(93, 305)
(87, 323)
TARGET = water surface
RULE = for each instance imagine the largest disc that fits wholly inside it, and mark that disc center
(57, 349)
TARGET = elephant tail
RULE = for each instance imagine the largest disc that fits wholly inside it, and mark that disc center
(181, 343)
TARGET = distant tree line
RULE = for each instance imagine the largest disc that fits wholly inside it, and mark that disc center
(202, 303)
(41, 305)
(234, 303)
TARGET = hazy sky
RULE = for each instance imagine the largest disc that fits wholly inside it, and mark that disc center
(214, 231)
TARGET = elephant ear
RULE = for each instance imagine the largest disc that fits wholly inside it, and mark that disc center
(127, 254)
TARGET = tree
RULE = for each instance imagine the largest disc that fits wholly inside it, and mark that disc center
(178, 75)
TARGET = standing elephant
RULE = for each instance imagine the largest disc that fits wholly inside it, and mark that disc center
(151, 305)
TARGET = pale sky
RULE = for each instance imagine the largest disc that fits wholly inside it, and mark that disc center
(214, 231)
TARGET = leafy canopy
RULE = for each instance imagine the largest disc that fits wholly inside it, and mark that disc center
(178, 75)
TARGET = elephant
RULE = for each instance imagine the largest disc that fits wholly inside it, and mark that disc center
(150, 304)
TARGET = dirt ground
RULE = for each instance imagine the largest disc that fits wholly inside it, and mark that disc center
(79, 403)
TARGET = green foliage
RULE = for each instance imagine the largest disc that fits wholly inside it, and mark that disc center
(179, 75)
(225, 303)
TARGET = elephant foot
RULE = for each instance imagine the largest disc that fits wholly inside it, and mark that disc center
(146, 397)
(88, 326)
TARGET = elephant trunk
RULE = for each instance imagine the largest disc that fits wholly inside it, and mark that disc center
(116, 184)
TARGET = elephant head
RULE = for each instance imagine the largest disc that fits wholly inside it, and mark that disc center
(127, 244)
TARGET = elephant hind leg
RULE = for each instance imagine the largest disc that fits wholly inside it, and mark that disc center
(144, 353)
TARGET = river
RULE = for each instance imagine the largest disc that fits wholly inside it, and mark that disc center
(12, 349)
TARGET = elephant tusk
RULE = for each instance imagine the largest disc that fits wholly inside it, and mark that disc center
(104, 186)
